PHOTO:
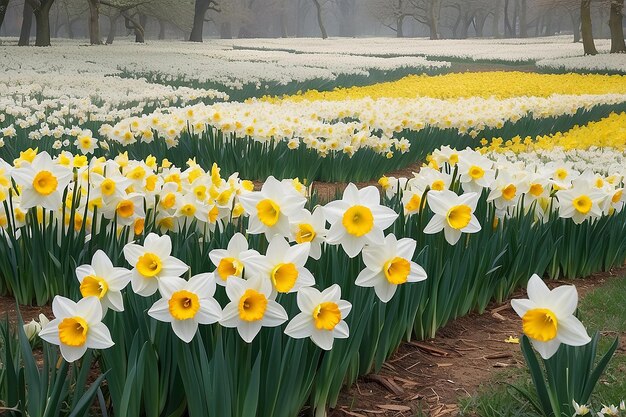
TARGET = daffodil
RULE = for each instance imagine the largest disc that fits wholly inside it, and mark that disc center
(358, 219)
(42, 182)
(104, 281)
(548, 317)
(251, 307)
(475, 171)
(454, 214)
(310, 227)
(283, 265)
(231, 261)
(124, 208)
(271, 208)
(322, 316)
(389, 265)
(580, 202)
(76, 327)
(580, 409)
(151, 262)
(185, 304)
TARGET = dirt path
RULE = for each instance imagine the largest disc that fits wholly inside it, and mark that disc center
(433, 375)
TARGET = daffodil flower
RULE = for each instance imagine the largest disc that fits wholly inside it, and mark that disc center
(104, 281)
(580, 203)
(185, 304)
(358, 219)
(389, 265)
(231, 261)
(454, 214)
(152, 261)
(251, 307)
(271, 208)
(548, 317)
(322, 316)
(580, 409)
(311, 228)
(283, 265)
(43, 182)
(76, 327)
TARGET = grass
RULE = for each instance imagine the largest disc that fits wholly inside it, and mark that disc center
(602, 309)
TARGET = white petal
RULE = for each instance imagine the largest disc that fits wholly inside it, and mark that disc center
(230, 315)
(546, 349)
(572, 332)
(90, 309)
(275, 314)
(168, 285)
(385, 290)
(63, 307)
(160, 310)
(368, 278)
(323, 338)
(116, 300)
(50, 332)
(521, 306)
(434, 225)
(248, 330)
(99, 337)
(300, 326)
(452, 235)
(84, 271)
(101, 263)
(185, 329)
(173, 267)
(210, 311)
(71, 353)
(308, 298)
(564, 300)
(132, 252)
(538, 291)
(352, 245)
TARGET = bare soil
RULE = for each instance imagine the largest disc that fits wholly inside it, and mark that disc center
(432, 375)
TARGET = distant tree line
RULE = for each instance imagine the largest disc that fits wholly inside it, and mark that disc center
(438, 19)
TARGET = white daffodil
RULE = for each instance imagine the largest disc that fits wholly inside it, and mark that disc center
(185, 304)
(283, 265)
(507, 190)
(412, 200)
(580, 202)
(311, 228)
(454, 214)
(608, 410)
(42, 181)
(31, 329)
(104, 281)
(271, 208)
(548, 317)
(231, 261)
(125, 208)
(322, 316)
(251, 307)
(151, 262)
(389, 265)
(358, 219)
(76, 327)
(580, 409)
(475, 171)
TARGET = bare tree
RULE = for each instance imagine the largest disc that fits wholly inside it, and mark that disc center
(4, 4)
(27, 23)
(320, 21)
(586, 29)
(615, 23)
(201, 7)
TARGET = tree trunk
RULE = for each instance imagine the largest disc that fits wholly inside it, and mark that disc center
(198, 20)
(94, 22)
(140, 31)
(27, 23)
(586, 29)
(617, 29)
(161, 29)
(4, 4)
(433, 18)
(112, 28)
(479, 24)
(495, 29)
(225, 31)
(400, 27)
(522, 20)
(508, 31)
(42, 19)
(320, 21)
